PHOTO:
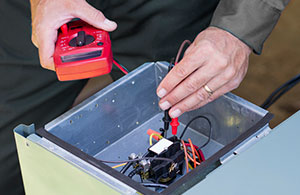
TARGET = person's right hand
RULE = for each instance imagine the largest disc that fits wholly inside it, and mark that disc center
(49, 15)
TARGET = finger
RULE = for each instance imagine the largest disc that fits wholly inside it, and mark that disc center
(182, 70)
(202, 96)
(94, 17)
(221, 91)
(46, 41)
(190, 85)
(219, 85)
(199, 96)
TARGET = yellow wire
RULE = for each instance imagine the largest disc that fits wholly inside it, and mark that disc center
(152, 134)
(119, 165)
(190, 166)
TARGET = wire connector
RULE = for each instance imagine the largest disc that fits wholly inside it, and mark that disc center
(167, 119)
(174, 124)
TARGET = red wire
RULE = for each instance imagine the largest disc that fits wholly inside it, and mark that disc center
(120, 67)
(201, 154)
(197, 155)
(193, 151)
(198, 150)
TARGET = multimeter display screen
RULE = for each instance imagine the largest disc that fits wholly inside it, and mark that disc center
(81, 56)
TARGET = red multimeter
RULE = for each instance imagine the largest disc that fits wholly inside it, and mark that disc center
(82, 51)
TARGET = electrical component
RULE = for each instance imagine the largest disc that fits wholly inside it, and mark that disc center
(83, 51)
(174, 124)
(166, 119)
(160, 146)
(159, 171)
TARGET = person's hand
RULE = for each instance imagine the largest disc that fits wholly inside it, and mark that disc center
(49, 15)
(214, 64)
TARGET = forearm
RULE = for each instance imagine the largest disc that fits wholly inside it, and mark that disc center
(251, 21)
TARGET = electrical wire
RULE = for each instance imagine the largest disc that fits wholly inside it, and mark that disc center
(154, 185)
(151, 136)
(210, 129)
(201, 155)
(191, 158)
(121, 67)
(193, 152)
(276, 94)
(134, 171)
(142, 181)
(181, 49)
(190, 166)
(138, 159)
(125, 168)
(190, 151)
(185, 156)
(119, 165)
(197, 151)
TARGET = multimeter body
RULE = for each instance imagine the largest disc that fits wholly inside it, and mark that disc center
(82, 51)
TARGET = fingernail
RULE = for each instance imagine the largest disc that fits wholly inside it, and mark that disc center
(175, 113)
(165, 105)
(161, 93)
(109, 23)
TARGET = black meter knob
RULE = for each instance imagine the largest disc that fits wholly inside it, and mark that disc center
(81, 39)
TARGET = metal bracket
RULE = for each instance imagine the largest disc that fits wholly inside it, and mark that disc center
(246, 144)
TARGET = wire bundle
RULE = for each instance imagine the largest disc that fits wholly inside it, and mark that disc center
(194, 154)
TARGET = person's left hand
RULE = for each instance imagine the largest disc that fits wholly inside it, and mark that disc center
(214, 64)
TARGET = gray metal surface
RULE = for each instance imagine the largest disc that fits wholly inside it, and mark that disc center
(137, 141)
(271, 166)
(126, 104)
(111, 113)
(113, 123)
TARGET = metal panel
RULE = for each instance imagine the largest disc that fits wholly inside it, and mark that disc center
(113, 122)
(46, 173)
(260, 170)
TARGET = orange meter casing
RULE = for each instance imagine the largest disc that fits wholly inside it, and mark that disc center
(82, 51)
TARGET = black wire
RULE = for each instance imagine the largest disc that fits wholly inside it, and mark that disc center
(154, 185)
(276, 94)
(279, 95)
(134, 171)
(126, 167)
(138, 159)
(142, 181)
(281, 87)
(210, 129)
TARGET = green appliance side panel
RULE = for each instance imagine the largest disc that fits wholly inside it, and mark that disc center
(45, 173)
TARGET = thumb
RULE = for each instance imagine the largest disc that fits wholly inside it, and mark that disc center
(94, 17)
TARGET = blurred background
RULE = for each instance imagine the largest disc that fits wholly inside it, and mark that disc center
(279, 62)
